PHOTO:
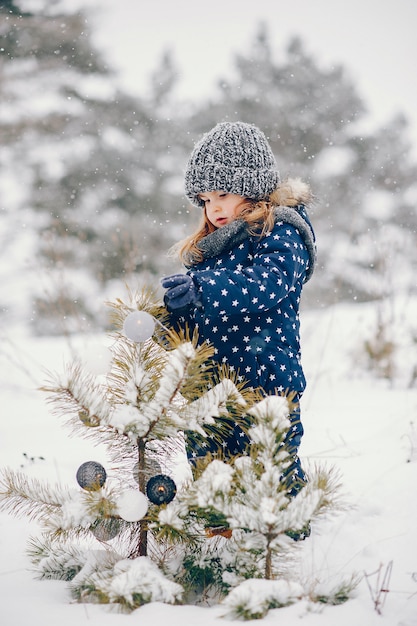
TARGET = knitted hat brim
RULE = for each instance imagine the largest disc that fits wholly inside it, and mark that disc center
(241, 181)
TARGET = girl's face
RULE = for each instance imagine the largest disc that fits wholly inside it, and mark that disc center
(221, 207)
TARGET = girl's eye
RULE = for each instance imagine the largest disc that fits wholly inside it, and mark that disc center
(223, 194)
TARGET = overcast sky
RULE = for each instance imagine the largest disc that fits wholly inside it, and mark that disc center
(374, 39)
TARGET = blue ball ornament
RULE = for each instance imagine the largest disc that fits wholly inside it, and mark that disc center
(161, 489)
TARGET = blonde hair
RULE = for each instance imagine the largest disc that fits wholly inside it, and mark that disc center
(259, 216)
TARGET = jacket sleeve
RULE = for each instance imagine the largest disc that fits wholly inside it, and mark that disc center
(280, 260)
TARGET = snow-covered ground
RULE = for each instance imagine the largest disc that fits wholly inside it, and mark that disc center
(364, 426)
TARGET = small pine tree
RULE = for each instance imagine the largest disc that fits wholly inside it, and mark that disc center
(223, 526)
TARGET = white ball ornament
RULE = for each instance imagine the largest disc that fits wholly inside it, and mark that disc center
(139, 326)
(132, 505)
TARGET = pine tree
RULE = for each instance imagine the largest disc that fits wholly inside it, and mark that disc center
(87, 172)
(226, 524)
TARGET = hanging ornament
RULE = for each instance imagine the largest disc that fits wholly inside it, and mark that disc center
(161, 489)
(87, 419)
(132, 505)
(106, 529)
(152, 467)
(91, 476)
(139, 326)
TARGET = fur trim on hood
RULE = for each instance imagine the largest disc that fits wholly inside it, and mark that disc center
(292, 192)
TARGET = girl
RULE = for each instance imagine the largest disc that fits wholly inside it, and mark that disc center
(247, 264)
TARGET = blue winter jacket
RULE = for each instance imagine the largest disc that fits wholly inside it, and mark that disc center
(250, 289)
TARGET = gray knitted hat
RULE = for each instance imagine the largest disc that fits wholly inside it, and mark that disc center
(233, 157)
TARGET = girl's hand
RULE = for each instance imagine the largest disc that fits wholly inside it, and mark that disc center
(181, 292)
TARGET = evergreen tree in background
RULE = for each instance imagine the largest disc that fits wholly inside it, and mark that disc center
(129, 534)
(91, 179)
(84, 167)
(364, 181)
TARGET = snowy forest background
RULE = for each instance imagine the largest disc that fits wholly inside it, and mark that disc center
(91, 178)
(91, 199)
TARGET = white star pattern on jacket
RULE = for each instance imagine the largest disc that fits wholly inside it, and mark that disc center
(250, 297)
